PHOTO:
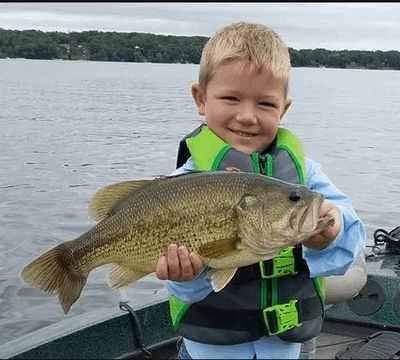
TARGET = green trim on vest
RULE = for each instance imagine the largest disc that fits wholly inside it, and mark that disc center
(207, 157)
(320, 287)
(263, 291)
(269, 167)
(256, 163)
(287, 141)
(177, 309)
(219, 157)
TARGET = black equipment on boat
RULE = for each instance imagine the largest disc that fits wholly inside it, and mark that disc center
(390, 239)
(136, 324)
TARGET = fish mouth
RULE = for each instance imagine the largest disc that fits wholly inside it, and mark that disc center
(309, 220)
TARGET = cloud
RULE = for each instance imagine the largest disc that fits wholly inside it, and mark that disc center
(369, 26)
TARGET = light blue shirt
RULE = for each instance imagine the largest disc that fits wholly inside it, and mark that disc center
(335, 259)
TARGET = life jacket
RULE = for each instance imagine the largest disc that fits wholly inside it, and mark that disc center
(274, 297)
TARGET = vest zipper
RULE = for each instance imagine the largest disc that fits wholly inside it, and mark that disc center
(262, 163)
(266, 164)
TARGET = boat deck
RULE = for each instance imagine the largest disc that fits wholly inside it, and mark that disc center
(331, 343)
(336, 341)
(343, 340)
(328, 344)
(335, 338)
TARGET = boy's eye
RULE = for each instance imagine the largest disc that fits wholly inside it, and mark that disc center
(267, 104)
(230, 98)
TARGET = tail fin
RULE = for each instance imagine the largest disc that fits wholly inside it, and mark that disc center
(54, 272)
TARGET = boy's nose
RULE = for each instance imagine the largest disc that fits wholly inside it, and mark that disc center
(246, 115)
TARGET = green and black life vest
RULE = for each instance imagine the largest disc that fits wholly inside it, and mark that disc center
(274, 297)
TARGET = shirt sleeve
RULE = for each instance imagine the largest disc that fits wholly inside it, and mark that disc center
(336, 258)
(187, 167)
(190, 291)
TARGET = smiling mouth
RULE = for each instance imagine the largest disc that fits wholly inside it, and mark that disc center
(242, 133)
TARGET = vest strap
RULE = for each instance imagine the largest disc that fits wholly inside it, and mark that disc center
(277, 318)
(268, 269)
(280, 318)
(283, 264)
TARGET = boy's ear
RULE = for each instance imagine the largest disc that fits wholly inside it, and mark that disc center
(288, 102)
(199, 98)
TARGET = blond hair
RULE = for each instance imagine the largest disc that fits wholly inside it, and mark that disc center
(255, 45)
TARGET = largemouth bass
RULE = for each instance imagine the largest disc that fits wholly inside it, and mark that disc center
(231, 219)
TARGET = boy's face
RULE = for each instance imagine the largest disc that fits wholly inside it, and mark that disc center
(242, 107)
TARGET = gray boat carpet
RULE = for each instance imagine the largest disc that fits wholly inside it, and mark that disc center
(381, 345)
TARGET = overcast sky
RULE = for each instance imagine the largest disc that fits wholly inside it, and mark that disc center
(333, 26)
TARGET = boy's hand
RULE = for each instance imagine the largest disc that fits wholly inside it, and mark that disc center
(324, 238)
(178, 264)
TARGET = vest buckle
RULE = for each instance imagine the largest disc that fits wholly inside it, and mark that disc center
(282, 264)
(281, 317)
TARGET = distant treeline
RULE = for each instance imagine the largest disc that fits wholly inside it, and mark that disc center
(144, 47)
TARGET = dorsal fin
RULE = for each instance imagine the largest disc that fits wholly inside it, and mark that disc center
(105, 199)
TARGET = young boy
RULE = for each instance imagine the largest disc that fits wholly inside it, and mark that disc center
(243, 95)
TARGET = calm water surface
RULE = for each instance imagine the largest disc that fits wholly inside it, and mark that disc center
(69, 128)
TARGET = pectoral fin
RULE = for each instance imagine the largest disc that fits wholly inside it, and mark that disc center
(124, 275)
(219, 248)
(220, 278)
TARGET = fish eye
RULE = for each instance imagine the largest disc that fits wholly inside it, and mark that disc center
(294, 196)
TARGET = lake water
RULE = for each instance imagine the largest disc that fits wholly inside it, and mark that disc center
(69, 128)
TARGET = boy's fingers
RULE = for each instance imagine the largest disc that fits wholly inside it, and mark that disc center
(197, 263)
(178, 264)
(326, 207)
(333, 230)
(324, 238)
(186, 264)
(174, 268)
(162, 268)
(232, 168)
